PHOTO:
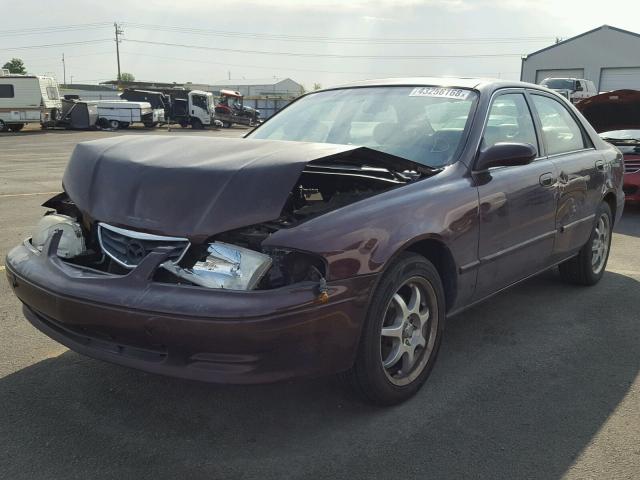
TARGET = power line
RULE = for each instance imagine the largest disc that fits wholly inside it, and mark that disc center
(325, 39)
(49, 45)
(54, 29)
(294, 69)
(322, 55)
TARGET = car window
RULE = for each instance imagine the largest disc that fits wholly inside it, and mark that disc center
(560, 131)
(424, 124)
(509, 121)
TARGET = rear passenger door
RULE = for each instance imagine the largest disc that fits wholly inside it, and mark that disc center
(580, 172)
(517, 203)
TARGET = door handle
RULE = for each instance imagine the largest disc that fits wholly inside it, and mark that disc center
(547, 179)
(600, 165)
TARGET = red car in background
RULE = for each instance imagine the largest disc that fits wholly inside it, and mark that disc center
(616, 117)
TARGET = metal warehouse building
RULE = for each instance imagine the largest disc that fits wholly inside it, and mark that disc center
(608, 56)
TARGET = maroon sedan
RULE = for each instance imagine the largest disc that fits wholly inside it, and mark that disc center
(337, 237)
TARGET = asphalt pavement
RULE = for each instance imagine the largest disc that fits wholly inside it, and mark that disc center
(540, 382)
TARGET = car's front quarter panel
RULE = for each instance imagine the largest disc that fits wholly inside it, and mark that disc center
(361, 239)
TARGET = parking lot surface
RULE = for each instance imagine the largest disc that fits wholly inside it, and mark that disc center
(539, 382)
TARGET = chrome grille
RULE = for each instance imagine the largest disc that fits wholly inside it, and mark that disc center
(129, 248)
(632, 166)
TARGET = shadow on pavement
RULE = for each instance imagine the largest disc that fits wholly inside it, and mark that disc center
(629, 224)
(522, 385)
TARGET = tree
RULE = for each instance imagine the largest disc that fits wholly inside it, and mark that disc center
(15, 65)
(127, 77)
(317, 86)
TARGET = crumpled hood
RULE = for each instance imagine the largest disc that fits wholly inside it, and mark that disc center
(617, 110)
(192, 187)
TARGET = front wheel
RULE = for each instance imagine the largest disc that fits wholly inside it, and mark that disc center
(402, 333)
(587, 268)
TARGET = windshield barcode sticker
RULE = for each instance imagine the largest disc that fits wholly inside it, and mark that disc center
(439, 92)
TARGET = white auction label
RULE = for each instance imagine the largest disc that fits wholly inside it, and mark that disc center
(439, 92)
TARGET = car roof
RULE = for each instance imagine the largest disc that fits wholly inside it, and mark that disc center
(482, 84)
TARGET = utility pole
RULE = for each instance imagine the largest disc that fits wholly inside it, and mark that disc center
(118, 32)
(64, 70)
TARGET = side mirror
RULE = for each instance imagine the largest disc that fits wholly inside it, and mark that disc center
(505, 154)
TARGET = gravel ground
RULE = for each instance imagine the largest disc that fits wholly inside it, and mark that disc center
(540, 382)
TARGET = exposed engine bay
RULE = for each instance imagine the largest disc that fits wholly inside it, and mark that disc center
(322, 187)
(211, 208)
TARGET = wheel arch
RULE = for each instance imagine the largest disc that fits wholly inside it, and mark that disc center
(611, 200)
(438, 253)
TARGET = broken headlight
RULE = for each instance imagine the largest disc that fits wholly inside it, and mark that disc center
(72, 241)
(225, 266)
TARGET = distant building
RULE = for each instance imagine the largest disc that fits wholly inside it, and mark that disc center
(284, 87)
(90, 92)
(608, 56)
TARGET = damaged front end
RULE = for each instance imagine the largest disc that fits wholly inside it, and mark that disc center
(116, 239)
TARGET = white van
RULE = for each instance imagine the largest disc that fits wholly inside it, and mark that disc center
(27, 99)
(575, 89)
(122, 113)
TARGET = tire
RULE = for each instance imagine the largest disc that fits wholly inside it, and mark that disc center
(588, 267)
(114, 124)
(226, 124)
(389, 385)
(16, 127)
(3, 126)
(196, 124)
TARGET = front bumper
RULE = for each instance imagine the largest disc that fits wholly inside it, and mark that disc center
(185, 331)
(631, 187)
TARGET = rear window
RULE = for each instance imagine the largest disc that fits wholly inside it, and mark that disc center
(52, 93)
(6, 91)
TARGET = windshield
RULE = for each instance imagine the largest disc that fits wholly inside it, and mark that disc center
(559, 83)
(423, 124)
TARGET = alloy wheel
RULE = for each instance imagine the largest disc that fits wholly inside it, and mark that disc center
(600, 244)
(409, 331)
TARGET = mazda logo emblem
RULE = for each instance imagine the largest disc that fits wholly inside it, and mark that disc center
(135, 251)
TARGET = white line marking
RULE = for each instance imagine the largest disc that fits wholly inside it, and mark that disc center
(8, 195)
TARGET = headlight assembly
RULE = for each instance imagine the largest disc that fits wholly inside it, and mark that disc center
(72, 241)
(225, 266)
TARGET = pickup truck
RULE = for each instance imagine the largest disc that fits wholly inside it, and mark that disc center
(574, 89)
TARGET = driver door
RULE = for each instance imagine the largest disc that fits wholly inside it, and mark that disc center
(517, 203)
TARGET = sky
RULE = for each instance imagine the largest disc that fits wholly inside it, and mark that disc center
(327, 42)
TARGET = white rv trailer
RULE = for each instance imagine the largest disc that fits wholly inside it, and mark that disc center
(122, 113)
(27, 99)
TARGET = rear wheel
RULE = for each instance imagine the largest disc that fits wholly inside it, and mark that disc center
(587, 268)
(196, 123)
(114, 124)
(226, 124)
(402, 333)
(16, 127)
